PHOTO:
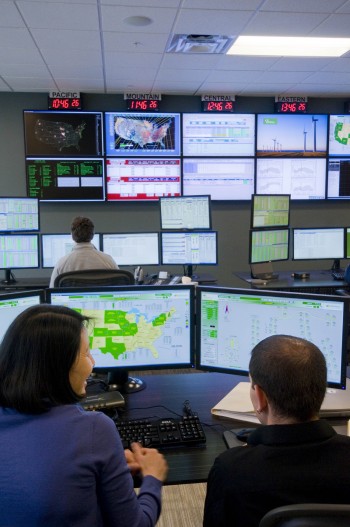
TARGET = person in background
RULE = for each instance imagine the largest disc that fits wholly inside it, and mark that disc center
(84, 254)
(62, 465)
(294, 457)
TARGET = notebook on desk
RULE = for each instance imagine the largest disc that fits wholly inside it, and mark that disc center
(237, 404)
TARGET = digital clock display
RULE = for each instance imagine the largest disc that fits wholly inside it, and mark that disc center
(291, 107)
(64, 103)
(146, 105)
(217, 106)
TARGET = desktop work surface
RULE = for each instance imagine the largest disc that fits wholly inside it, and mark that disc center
(167, 393)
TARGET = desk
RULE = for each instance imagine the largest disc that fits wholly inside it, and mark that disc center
(203, 390)
(319, 282)
(26, 284)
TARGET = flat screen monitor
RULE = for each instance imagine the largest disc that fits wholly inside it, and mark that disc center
(19, 214)
(142, 179)
(185, 212)
(301, 135)
(142, 134)
(302, 178)
(132, 248)
(268, 245)
(66, 179)
(12, 304)
(320, 243)
(221, 178)
(338, 178)
(339, 135)
(347, 242)
(60, 133)
(18, 251)
(230, 322)
(135, 327)
(54, 246)
(270, 210)
(189, 249)
(227, 134)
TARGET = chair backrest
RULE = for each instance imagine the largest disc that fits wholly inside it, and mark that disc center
(308, 515)
(90, 277)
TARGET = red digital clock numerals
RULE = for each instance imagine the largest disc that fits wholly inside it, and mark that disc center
(64, 103)
(143, 105)
(291, 107)
(218, 106)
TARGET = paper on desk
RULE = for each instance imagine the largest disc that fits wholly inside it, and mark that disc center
(236, 404)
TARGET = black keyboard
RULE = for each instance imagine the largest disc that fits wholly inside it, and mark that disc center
(162, 433)
(338, 275)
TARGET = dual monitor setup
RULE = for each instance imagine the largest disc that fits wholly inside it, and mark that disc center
(186, 238)
(271, 239)
(131, 156)
(140, 328)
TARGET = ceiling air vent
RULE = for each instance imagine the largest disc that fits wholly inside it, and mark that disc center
(199, 44)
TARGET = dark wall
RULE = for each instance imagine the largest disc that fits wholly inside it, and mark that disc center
(231, 219)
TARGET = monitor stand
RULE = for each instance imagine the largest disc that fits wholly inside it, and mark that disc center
(336, 265)
(263, 271)
(9, 278)
(121, 381)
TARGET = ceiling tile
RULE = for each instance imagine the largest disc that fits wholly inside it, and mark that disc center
(58, 15)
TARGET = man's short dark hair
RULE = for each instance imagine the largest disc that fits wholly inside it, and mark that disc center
(293, 374)
(82, 229)
(36, 355)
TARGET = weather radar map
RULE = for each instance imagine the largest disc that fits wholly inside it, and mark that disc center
(339, 134)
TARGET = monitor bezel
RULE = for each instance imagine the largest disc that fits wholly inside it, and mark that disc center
(251, 231)
(43, 234)
(294, 229)
(279, 294)
(185, 198)
(112, 289)
(26, 198)
(253, 211)
(103, 234)
(193, 264)
(26, 235)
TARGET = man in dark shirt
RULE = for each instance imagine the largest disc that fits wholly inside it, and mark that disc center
(294, 457)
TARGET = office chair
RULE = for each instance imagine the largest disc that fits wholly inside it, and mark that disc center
(308, 515)
(91, 277)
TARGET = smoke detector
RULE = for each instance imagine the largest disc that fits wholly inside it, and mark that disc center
(199, 44)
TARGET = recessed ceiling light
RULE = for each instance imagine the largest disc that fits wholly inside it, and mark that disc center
(138, 20)
(290, 46)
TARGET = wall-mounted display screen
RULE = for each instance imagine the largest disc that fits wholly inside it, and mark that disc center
(221, 178)
(268, 245)
(52, 133)
(339, 135)
(338, 178)
(142, 179)
(54, 246)
(301, 178)
(319, 243)
(142, 134)
(19, 214)
(302, 135)
(71, 179)
(270, 210)
(132, 248)
(185, 212)
(218, 134)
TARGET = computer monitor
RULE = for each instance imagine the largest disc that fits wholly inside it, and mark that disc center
(320, 243)
(185, 212)
(19, 214)
(223, 134)
(18, 251)
(224, 179)
(270, 210)
(302, 178)
(189, 249)
(132, 248)
(66, 179)
(12, 304)
(142, 134)
(61, 133)
(142, 179)
(268, 245)
(230, 322)
(135, 328)
(338, 142)
(338, 178)
(54, 246)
